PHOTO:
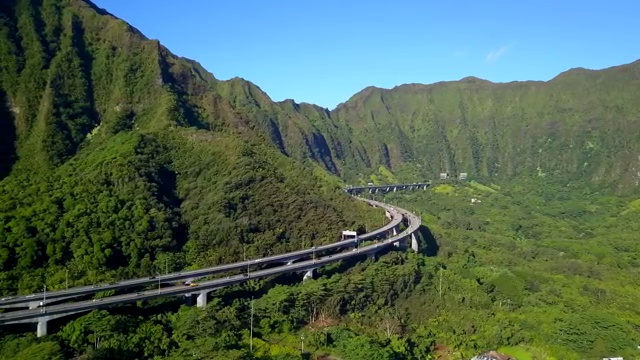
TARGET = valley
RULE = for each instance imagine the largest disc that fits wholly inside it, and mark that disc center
(121, 160)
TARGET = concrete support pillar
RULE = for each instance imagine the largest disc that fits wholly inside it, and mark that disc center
(387, 214)
(394, 232)
(309, 274)
(42, 326)
(33, 304)
(291, 261)
(201, 301)
(188, 299)
(372, 256)
(414, 242)
(395, 188)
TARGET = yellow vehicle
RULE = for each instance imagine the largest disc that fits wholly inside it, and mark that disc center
(193, 284)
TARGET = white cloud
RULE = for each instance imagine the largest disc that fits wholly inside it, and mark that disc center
(494, 55)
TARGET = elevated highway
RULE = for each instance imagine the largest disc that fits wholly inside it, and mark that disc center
(33, 300)
(354, 190)
(41, 315)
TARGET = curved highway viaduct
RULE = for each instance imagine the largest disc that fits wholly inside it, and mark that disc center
(41, 315)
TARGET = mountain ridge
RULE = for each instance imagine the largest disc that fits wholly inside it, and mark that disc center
(336, 139)
(121, 156)
(79, 85)
(119, 159)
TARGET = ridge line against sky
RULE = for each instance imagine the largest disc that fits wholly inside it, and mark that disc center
(325, 52)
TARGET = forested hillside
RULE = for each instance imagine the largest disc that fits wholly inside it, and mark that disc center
(91, 75)
(121, 159)
(535, 278)
(582, 125)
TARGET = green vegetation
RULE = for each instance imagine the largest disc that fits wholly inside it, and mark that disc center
(125, 170)
(483, 188)
(444, 189)
(119, 159)
(552, 269)
(534, 279)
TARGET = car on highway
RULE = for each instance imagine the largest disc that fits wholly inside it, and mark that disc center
(185, 278)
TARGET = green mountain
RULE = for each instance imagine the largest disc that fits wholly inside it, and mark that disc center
(120, 158)
(580, 125)
(91, 75)
(115, 151)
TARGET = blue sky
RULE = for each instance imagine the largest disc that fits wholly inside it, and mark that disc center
(325, 51)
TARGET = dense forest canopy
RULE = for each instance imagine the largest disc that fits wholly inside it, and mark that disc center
(120, 159)
(118, 168)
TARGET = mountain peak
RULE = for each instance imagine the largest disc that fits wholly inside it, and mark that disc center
(474, 80)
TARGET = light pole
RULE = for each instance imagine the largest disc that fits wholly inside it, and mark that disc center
(251, 338)
(302, 344)
(66, 278)
(244, 256)
(44, 299)
(313, 255)
(159, 276)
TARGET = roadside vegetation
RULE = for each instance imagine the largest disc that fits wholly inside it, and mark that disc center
(514, 272)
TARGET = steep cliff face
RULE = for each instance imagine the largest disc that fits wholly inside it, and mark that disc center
(118, 156)
(96, 119)
(580, 125)
(72, 72)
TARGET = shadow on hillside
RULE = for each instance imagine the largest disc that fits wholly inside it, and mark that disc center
(429, 246)
(7, 137)
(180, 83)
(168, 185)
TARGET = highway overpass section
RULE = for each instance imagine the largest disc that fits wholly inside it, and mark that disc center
(44, 314)
(33, 300)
